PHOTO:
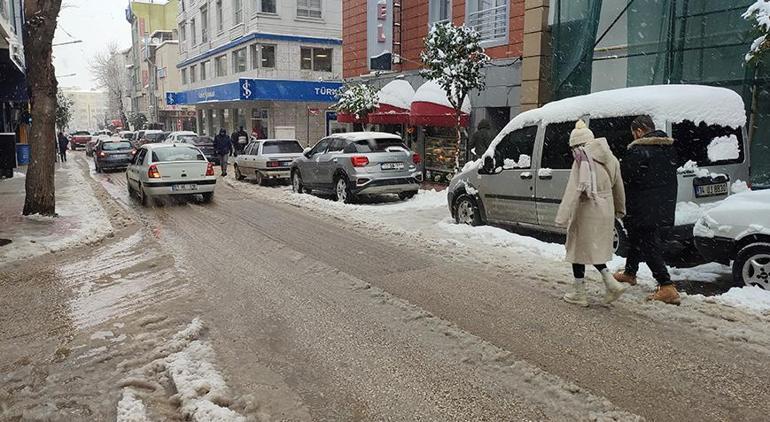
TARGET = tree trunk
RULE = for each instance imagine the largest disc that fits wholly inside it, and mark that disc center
(458, 132)
(39, 29)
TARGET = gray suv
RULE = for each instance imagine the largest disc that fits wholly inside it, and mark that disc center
(358, 163)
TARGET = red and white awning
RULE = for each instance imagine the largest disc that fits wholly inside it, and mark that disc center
(344, 117)
(430, 107)
(395, 99)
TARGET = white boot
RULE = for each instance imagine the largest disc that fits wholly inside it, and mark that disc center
(578, 294)
(614, 288)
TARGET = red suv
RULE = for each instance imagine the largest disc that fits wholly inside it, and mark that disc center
(79, 139)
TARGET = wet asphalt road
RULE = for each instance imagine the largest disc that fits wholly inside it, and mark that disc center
(324, 323)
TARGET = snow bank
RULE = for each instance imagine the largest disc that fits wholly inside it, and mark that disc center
(131, 409)
(397, 93)
(496, 237)
(690, 212)
(753, 298)
(723, 148)
(431, 92)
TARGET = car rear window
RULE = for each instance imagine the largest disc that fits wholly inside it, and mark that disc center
(374, 145)
(114, 146)
(203, 141)
(187, 138)
(81, 133)
(284, 147)
(708, 145)
(177, 153)
(154, 136)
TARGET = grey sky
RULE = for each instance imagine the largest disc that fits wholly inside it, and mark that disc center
(96, 22)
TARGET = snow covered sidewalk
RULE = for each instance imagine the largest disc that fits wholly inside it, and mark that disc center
(81, 219)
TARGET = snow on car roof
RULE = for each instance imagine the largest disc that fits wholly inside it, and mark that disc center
(672, 103)
(357, 136)
(277, 140)
(397, 93)
(431, 92)
(183, 132)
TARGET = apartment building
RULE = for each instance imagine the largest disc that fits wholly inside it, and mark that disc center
(90, 109)
(273, 67)
(165, 77)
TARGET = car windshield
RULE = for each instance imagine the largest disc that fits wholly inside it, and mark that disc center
(114, 146)
(177, 153)
(186, 138)
(375, 145)
(281, 147)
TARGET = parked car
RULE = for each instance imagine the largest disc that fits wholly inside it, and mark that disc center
(358, 163)
(91, 145)
(203, 143)
(179, 135)
(267, 159)
(127, 135)
(79, 139)
(738, 230)
(150, 136)
(111, 154)
(170, 169)
(522, 176)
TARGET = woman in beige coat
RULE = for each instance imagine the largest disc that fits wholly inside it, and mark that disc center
(593, 199)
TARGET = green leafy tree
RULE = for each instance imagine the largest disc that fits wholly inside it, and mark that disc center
(454, 59)
(63, 110)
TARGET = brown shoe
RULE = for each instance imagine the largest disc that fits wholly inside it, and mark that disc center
(625, 278)
(666, 294)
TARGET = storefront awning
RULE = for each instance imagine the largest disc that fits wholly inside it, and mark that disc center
(430, 107)
(343, 117)
(395, 99)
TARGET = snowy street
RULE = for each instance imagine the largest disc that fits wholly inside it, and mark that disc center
(268, 305)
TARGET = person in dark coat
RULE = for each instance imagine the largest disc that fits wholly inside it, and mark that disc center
(223, 146)
(63, 144)
(649, 175)
(240, 139)
(482, 137)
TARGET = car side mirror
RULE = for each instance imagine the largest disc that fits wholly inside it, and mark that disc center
(306, 152)
(488, 166)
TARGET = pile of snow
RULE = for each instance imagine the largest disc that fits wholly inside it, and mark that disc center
(739, 186)
(524, 162)
(690, 212)
(724, 148)
(431, 92)
(750, 297)
(397, 93)
(691, 167)
(131, 408)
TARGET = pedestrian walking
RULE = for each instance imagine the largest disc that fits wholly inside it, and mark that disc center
(240, 139)
(482, 138)
(223, 146)
(649, 172)
(594, 197)
(63, 144)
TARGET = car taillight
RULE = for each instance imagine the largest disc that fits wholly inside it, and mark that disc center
(209, 169)
(133, 151)
(359, 161)
(102, 154)
(153, 172)
(273, 164)
(416, 158)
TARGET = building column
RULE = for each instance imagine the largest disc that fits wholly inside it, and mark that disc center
(210, 121)
(221, 119)
(199, 122)
(536, 56)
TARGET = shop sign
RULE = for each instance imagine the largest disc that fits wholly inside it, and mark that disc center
(286, 90)
(379, 34)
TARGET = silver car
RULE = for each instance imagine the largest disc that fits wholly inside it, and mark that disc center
(358, 163)
(267, 159)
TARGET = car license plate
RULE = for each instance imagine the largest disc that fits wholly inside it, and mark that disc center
(711, 190)
(392, 166)
(285, 163)
(178, 188)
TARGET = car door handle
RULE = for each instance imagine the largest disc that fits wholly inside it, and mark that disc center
(526, 176)
(544, 176)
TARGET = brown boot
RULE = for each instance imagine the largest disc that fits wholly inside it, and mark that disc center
(622, 277)
(666, 294)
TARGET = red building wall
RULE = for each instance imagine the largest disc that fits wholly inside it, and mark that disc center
(414, 29)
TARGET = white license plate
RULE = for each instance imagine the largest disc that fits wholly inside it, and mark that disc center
(711, 190)
(392, 166)
(179, 188)
(286, 164)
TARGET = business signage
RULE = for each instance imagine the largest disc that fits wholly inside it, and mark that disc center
(259, 90)
(379, 34)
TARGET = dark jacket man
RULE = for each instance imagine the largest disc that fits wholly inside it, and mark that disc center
(63, 143)
(482, 137)
(222, 143)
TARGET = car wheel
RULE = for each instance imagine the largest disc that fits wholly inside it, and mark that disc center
(407, 195)
(259, 179)
(296, 182)
(752, 266)
(342, 191)
(143, 198)
(238, 175)
(467, 212)
(619, 240)
(208, 197)
(130, 189)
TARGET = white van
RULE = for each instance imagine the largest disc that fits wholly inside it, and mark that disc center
(522, 176)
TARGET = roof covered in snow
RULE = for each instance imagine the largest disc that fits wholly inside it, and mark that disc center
(398, 93)
(431, 92)
(357, 136)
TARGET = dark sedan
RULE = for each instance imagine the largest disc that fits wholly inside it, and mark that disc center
(113, 154)
(203, 143)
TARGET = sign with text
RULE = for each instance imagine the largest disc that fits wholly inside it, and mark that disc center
(259, 90)
(379, 34)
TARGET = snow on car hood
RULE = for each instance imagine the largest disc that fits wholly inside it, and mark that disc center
(737, 216)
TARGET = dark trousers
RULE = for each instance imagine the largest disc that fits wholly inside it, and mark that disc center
(644, 245)
(579, 270)
(63, 155)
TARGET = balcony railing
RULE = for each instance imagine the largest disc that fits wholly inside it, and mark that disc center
(491, 23)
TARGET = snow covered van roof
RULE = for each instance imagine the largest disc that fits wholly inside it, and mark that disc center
(357, 136)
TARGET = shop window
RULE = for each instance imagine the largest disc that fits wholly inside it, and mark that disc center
(260, 122)
(489, 18)
(184, 76)
(617, 130)
(254, 52)
(309, 8)
(193, 39)
(263, 6)
(204, 70)
(317, 59)
(557, 154)
(440, 11)
(221, 66)
(239, 60)
(516, 148)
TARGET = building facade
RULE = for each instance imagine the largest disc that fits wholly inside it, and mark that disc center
(271, 67)
(13, 87)
(167, 78)
(90, 109)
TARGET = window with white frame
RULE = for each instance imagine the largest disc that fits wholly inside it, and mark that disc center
(221, 66)
(184, 76)
(239, 60)
(193, 69)
(263, 6)
(220, 19)
(439, 11)
(309, 8)
(317, 59)
(267, 53)
(193, 39)
(238, 11)
(489, 18)
(204, 24)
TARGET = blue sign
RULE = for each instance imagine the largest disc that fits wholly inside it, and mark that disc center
(171, 98)
(259, 90)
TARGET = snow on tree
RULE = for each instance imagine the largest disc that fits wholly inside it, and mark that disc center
(63, 110)
(357, 99)
(759, 16)
(454, 59)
